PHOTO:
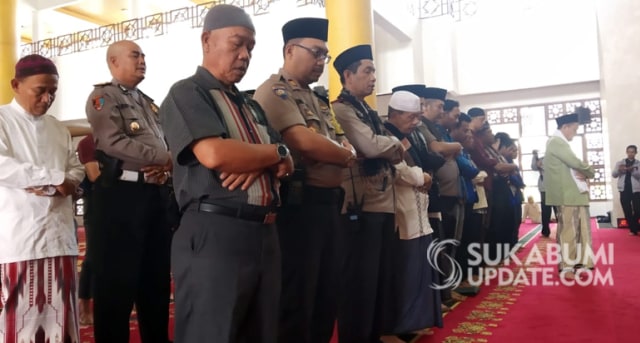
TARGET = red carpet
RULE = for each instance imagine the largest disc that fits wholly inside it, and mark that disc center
(554, 314)
(86, 331)
(536, 313)
(601, 313)
(474, 319)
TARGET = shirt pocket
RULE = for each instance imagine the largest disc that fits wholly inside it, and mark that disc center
(133, 124)
(327, 116)
(310, 117)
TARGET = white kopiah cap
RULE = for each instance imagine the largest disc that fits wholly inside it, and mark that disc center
(405, 101)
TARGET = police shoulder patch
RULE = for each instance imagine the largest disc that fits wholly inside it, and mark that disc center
(102, 84)
(98, 102)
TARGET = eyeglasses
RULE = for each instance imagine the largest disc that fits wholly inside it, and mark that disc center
(318, 54)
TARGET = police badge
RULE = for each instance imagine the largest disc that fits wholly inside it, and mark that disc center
(134, 126)
(280, 92)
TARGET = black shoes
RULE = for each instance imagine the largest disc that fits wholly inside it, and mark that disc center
(546, 232)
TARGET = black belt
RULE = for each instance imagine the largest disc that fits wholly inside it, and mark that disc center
(261, 214)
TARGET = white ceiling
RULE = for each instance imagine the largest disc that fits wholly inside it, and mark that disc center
(58, 17)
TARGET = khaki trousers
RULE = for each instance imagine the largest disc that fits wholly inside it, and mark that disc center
(574, 237)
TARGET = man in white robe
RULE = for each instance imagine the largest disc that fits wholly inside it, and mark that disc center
(39, 171)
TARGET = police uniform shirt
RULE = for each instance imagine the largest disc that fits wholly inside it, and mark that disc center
(125, 126)
(286, 104)
(199, 107)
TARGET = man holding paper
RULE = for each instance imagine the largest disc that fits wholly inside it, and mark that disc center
(567, 188)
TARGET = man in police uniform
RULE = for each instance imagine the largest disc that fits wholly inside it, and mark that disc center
(369, 198)
(225, 255)
(130, 244)
(309, 220)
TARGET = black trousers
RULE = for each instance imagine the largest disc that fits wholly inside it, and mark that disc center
(368, 256)
(452, 221)
(443, 261)
(311, 260)
(517, 220)
(631, 207)
(227, 279)
(471, 234)
(546, 214)
(503, 222)
(130, 255)
(85, 280)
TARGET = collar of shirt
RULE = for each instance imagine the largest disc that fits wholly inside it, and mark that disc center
(18, 108)
(207, 80)
(558, 133)
(291, 81)
(123, 88)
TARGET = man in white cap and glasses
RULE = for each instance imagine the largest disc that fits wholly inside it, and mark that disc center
(227, 165)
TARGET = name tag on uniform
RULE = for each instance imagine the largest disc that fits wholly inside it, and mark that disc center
(129, 175)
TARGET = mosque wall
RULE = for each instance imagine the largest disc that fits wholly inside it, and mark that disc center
(174, 56)
(555, 44)
(507, 53)
(619, 54)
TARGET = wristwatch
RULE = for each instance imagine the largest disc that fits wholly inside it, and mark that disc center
(282, 151)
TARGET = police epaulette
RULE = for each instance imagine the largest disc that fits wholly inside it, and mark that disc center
(150, 99)
(102, 84)
(322, 97)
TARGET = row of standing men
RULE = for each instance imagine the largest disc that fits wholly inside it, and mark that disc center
(267, 249)
(291, 216)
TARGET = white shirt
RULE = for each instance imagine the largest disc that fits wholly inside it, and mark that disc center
(35, 151)
(412, 219)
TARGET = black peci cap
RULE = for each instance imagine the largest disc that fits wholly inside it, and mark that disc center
(351, 55)
(306, 28)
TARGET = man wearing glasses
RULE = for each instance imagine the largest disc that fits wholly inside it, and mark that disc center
(312, 197)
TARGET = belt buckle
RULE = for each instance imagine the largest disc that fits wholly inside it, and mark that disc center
(269, 218)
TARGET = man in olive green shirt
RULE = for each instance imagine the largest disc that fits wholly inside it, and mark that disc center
(567, 188)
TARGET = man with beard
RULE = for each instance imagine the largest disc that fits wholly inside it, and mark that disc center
(308, 221)
(225, 255)
(369, 201)
(131, 238)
